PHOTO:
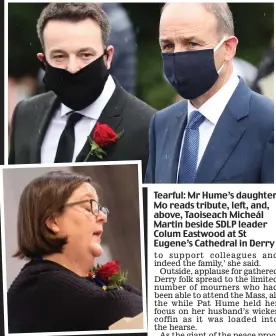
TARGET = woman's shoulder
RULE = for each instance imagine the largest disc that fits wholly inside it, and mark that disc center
(41, 268)
(46, 275)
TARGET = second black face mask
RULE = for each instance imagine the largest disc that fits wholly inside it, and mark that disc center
(77, 90)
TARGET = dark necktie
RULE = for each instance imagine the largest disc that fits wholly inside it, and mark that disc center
(189, 156)
(66, 145)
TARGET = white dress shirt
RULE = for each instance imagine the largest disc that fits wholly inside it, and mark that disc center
(82, 129)
(212, 110)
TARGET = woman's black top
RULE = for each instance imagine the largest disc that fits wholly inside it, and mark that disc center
(47, 297)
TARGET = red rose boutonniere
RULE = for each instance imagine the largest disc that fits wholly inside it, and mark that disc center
(103, 136)
(109, 276)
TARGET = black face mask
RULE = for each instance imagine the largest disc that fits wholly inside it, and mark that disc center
(191, 73)
(77, 90)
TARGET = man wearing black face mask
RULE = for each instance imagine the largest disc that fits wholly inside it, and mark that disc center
(222, 132)
(83, 96)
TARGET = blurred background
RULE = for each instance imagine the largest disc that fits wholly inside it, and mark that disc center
(137, 62)
(121, 238)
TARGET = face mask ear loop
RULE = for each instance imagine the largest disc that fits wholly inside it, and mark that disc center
(220, 44)
(219, 70)
(216, 48)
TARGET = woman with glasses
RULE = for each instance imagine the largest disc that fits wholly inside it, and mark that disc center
(60, 224)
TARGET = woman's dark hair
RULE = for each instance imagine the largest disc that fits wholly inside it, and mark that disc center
(42, 198)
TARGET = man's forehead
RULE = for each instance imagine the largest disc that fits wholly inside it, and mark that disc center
(186, 15)
(187, 28)
(178, 32)
(183, 7)
(57, 29)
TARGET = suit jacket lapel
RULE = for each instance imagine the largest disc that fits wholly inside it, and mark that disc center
(112, 116)
(47, 109)
(173, 140)
(228, 132)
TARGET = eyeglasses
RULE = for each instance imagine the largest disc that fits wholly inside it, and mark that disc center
(95, 207)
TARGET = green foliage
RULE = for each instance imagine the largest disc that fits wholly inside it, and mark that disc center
(95, 268)
(152, 85)
(117, 280)
(120, 134)
(254, 23)
(23, 43)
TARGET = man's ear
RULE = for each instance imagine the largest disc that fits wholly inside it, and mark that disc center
(109, 56)
(40, 57)
(231, 47)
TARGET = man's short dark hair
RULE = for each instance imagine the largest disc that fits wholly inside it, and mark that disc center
(42, 198)
(73, 12)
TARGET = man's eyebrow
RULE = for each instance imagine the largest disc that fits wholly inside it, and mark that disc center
(55, 51)
(182, 39)
(88, 49)
(164, 40)
(190, 38)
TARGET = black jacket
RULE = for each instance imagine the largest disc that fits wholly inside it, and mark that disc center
(46, 297)
(123, 112)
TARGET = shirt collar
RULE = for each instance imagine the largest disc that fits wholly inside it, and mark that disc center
(94, 110)
(212, 109)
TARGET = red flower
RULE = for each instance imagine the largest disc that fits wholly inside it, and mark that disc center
(104, 135)
(105, 271)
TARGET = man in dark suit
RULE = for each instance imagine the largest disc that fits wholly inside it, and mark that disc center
(223, 131)
(55, 126)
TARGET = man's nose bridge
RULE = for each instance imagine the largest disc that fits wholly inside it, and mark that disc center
(180, 48)
(72, 65)
(180, 45)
